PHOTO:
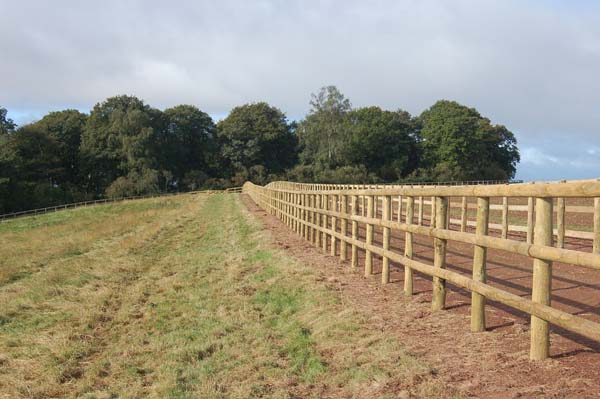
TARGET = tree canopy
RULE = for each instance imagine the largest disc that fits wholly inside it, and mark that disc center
(322, 133)
(385, 142)
(6, 124)
(459, 144)
(126, 147)
(122, 137)
(256, 135)
(189, 150)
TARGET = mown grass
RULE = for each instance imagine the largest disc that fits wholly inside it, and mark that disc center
(181, 299)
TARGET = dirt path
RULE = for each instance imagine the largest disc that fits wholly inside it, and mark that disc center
(493, 364)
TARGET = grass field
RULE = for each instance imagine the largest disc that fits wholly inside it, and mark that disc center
(183, 297)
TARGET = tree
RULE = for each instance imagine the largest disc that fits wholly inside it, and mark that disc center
(65, 128)
(31, 178)
(190, 152)
(256, 134)
(7, 173)
(6, 124)
(322, 134)
(137, 182)
(122, 136)
(459, 144)
(383, 141)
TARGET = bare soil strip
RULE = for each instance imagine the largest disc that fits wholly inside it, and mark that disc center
(493, 364)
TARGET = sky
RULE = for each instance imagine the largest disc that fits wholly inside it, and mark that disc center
(533, 66)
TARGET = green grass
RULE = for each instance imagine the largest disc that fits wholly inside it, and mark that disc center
(182, 299)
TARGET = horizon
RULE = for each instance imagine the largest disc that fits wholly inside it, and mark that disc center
(530, 66)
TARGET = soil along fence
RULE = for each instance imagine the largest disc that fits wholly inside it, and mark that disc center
(329, 217)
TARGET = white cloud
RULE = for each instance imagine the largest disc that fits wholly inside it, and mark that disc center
(530, 65)
(535, 156)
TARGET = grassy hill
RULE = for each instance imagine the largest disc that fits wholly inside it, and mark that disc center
(179, 297)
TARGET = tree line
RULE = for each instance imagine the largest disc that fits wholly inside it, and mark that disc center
(125, 147)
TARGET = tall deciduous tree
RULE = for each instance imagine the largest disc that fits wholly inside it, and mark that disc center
(383, 141)
(257, 135)
(35, 170)
(65, 128)
(190, 151)
(459, 144)
(6, 124)
(7, 157)
(322, 133)
(122, 136)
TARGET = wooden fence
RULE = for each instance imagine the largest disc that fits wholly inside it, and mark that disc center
(314, 210)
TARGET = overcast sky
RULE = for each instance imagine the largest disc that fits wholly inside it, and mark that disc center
(533, 66)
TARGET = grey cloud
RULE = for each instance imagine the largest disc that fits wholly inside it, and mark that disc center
(530, 65)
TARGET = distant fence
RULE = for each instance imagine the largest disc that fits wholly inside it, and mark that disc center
(314, 210)
(40, 211)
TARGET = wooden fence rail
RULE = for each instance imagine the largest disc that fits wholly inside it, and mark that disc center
(313, 211)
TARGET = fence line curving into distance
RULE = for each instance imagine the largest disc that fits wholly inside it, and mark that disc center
(523, 215)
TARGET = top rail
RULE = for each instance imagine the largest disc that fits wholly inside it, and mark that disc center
(565, 189)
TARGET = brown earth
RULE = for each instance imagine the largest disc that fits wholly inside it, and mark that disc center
(493, 364)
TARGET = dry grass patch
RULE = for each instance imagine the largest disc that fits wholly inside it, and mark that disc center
(189, 301)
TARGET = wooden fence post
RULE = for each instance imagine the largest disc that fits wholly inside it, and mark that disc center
(280, 206)
(479, 265)
(297, 212)
(284, 216)
(325, 205)
(504, 217)
(399, 209)
(369, 239)
(596, 243)
(386, 214)
(302, 216)
(317, 218)
(420, 219)
(334, 208)
(439, 257)
(311, 203)
(530, 212)
(315, 221)
(344, 227)
(560, 223)
(290, 210)
(433, 211)
(354, 261)
(463, 214)
(362, 205)
(408, 247)
(542, 279)
(307, 217)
